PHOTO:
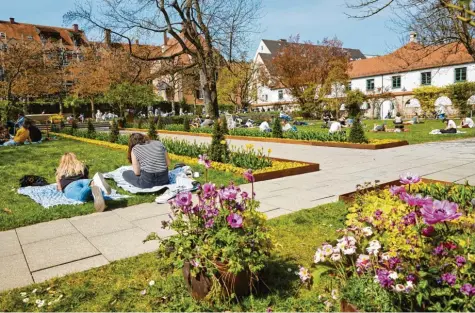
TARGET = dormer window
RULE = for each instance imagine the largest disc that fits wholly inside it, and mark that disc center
(3, 35)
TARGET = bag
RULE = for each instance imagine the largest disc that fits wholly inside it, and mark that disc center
(32, 180)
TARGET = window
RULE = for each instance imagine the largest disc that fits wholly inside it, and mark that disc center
(3, 35)
(370, 84)
(426, 78)
(348, 86)
(199, 94)
(266, 97)
(281, 95)
(396, 82)
(460, 74)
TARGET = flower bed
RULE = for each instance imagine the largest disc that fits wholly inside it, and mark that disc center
(408, 247)
(333, 141)
(279, 168)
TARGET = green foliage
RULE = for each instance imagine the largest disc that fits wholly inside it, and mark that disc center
(140, 122)
(126, 95)
(114, 132)
(367, 296)
(160, 124)
(225, 125)
(427, 96)
(186, 124)
(277, 131)
(353, 101)
(461, 194)
(152, 130)
(249, 158)
(91, 130)
(459, 93)
(357, 134)
(62, 125)
(219, 151)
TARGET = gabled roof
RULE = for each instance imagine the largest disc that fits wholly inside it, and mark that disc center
(411, 57)
(275, 45)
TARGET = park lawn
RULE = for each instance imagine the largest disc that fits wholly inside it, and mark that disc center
(15, 162)
(118, 286)
(417, 133)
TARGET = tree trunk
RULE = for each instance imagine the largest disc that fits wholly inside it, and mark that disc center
(210, 93)
(93, 110)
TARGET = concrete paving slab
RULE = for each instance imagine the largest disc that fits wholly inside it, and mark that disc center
(99, 224)
(276, 213)
(14, 272)
(154, 224)
(9, 243)
(45, 231)
(57, 251)
(69, 268)
(141, 211)
(445, 176)
(123, 244)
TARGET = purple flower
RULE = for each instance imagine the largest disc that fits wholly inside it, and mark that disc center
(411, 277)
(234, 220)
(428, 231)
(377, 214)
(383, 278)
(183, 199)
(449, 278)
(209, 191)
(467, 289)
(228, 193)
(203, 160)
(409, 178)
(195, 263)
(244, 195)
(393, 262)
(460, 260)
(397, 190)
(269, 310)
(440, 250)
(440, 211)
(417, 200)
(209, 223)
(409, 219)
(249, 176)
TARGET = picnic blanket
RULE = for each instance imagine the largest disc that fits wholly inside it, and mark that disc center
(177, 177)
(48, 196)
(437, 132)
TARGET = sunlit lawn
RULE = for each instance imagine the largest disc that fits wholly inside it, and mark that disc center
(15, 162)
(118, 286)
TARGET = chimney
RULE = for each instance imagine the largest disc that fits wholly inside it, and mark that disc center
(283, 40)
(12, 20)
(165, 38)
(413, 37)
(75, 28)
(107, 36)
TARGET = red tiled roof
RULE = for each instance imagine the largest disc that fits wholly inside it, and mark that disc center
(410, 57)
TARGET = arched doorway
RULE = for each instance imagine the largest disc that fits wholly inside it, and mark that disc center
(386, 110)
(442, 105)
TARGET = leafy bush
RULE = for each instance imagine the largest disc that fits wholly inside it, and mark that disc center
(186, 124)
(91, 131)
(225, 125)
(277, 129)
(183, 147)
(249, 158)
(219, 147)
(114, 132)
(152, 130)
(357, 134)
(459, 93)
(140, 123)
(353, 101)
(160, 124)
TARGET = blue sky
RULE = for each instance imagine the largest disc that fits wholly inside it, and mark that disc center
(312, 19)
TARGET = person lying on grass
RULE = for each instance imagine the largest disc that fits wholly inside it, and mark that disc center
(72, 178)
(150, 162)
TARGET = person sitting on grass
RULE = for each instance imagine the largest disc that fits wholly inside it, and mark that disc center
(264, 127)
(4, 135)
(413, 121)
(150, 162)
(35, 133)
(72, 178)
(467, 122)
(451, 127)
(207, 122)
(342, 121)
(398, 122)
(22, 135)
(287, 127)
(379, 128)
(335, 128)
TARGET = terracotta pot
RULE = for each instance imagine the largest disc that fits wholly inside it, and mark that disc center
(201, 285)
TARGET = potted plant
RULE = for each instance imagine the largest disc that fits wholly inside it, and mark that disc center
(222, 241)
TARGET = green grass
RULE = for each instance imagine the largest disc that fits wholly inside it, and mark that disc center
(43, 159)
(117, 287)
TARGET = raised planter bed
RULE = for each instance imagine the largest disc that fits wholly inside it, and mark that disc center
(349, 197)
(332, 144)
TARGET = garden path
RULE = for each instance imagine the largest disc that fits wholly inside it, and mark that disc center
(42, 251)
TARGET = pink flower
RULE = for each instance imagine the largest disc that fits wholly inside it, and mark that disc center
(209, 223)
(409, 178)
(417, 200)
(183, 199)
(209, 191)
(249, 176)
(234, 220)
(228, 193)
(440, 211)
(203, 160)
(428, 231)
(397, 190)
(244, 195)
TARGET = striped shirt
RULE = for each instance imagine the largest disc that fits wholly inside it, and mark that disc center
(151, 156)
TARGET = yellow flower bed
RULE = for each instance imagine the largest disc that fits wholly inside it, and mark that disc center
(276, 165)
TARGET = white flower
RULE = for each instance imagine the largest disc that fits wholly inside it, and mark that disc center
(38, 301)
(385, 256)
(304, 274)
(334, 294)
(41, 304)
(374, 247)
(151, 283)
(289, 270)
(318, 257)
(50, 303)
(328, 304)
(376, 279)
(26, 300)
(327, 250)
(143, 292)
(367, 231)
(336, 257)
(23, 294)
(349, 251)
(341, 245)
(34, 290)
(409, 286)
(47, 289)
(399, 288)
(393, 275)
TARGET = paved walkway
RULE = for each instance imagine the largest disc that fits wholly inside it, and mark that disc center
(42, 251)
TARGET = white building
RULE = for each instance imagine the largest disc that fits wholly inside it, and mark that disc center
(268, 96)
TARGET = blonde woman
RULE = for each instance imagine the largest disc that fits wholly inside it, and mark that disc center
(72, 178)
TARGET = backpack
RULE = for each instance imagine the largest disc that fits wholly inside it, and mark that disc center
(32, 180)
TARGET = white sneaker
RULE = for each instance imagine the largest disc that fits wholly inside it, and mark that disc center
(167, 195)
(100, 182)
